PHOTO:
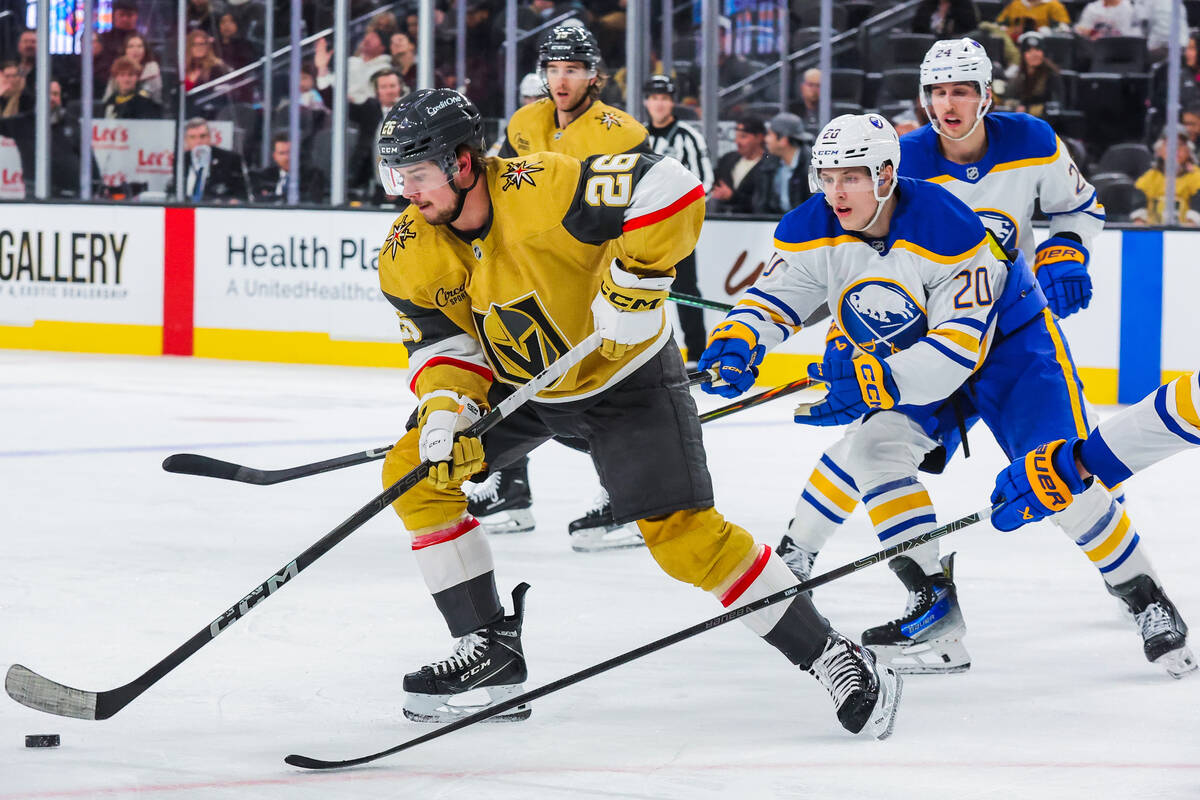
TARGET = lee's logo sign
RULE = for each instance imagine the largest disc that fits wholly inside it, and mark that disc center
(11, 177)
(156, 158)
(110, 135)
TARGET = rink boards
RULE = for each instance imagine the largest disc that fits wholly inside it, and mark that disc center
(302, 286)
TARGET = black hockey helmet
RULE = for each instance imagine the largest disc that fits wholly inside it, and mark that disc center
(658, 84)
(426, 125)
(570, 42)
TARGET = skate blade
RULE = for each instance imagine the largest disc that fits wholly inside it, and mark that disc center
(593, 540)
(1178, 663)
(944, 655)
(439, 708)
(883, 716)
(516, 520)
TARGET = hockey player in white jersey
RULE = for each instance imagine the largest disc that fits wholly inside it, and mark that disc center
(1049, 478)
(999, 164)
(939, 317)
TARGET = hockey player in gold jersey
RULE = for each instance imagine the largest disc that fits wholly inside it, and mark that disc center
(498, 267)
(572, 121)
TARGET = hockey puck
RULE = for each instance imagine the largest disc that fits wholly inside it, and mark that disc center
(42, 740)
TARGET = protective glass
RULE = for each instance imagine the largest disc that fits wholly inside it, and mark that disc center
(849, 181)
(571, 70)
(412, 178)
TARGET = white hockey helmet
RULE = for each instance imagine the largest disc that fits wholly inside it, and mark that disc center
(956, 61)
(857, 140)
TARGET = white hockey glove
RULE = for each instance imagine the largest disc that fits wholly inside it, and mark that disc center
(443, 414)
(628, 310)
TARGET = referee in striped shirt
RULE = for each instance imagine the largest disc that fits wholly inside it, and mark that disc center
(670, 137)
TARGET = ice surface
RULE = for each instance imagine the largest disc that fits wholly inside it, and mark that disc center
(110, 563)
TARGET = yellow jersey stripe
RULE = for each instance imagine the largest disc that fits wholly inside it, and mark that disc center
(893, 508)
(904, 244)
(941, 179)
(1030, 162)
(812, 244)
(1060, 355)
(964, 340)
(1185, 404)
(832, 492)
(772, 313)
(1106, 548)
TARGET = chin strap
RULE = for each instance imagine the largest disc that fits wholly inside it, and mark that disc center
(587, 98)
(462, 197)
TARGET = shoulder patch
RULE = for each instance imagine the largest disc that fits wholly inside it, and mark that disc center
(608, 119)
(401, 232)
(520, 172)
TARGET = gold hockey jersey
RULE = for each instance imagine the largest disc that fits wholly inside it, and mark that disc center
(600, 129)
(507, 304)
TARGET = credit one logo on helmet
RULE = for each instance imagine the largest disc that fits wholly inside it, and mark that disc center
(449, 101)
(878, 311)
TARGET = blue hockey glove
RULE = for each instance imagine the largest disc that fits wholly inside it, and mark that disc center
(1061, 269)
(838, 346)
(734, 350)
(856, 386)
(1042, 483)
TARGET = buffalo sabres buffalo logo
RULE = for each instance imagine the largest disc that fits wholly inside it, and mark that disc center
(519, 172)
(608, 119)
(519, 338)
(1002, 225)
(401, 232)
(878, 312)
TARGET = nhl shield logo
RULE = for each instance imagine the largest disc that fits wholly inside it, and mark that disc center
(878, 311)
(972, 173)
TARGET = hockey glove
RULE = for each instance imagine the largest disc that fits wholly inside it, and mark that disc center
(1042, 483)
(1061, 269)
(733, 350)
(838, 346)
(856, 386)
(628, 310)
(443, 414)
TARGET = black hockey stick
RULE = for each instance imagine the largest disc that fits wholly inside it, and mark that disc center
(40, 693)
(692, 300)
(604, 666)
(755, 400)
(208, 467)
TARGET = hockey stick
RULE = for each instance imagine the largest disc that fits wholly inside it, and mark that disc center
(822, 312)
(208, 467)
(308, 762)
(31, 689)
(758, 399)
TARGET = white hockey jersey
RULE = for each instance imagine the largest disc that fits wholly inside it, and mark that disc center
(1025, 161)
(926, 296)
(1160, 425)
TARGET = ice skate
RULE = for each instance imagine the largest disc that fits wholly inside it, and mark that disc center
(488, 660)
(502, 503)
(596, 531)
(799, 560)
(1164, 633)
(928, 639)
(865, 693)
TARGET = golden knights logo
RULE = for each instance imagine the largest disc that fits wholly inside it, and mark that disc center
(401, 232)
(519, 172)
(608, 119)
(519, 338)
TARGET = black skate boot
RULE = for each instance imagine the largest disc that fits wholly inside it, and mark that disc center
(502, 502)
(490, 659)
(865, 693)
(596, 530)
(929, 637)
(799, 560)
(1164, 633)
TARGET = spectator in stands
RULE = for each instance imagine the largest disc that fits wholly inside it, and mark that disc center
(1153, 184)
(211, 174)
(385, 24)
(1156, 15)
(366, 61)
(27, 54)
(111, 43)
(1033, 15)
(809, 107)
(531, 89)
(1103, 18)
(64, 145)
(13, 97)
(745, 177)
(945, 19)
(270, 184)
(127, 101)
(201, 15)
(232, 47)
(150, 76)
(404, 61)
(202, 63)
(367, 116)
(1189, 118)
(1038, 82)
(309, 96)
(785, 141)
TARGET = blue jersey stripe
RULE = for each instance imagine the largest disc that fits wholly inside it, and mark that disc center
(948, 353)
(773, 299)
(1160, 405)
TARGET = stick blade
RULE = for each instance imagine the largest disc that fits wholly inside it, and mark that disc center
(204, 466)
(306, 762)
(42, 694)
